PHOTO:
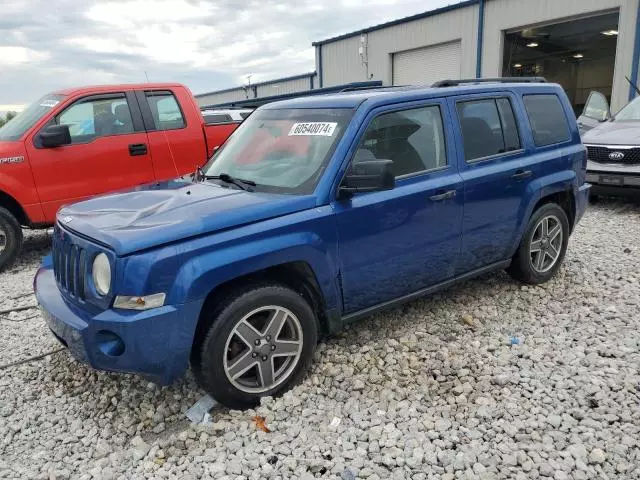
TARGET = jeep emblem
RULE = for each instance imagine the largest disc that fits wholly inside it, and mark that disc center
(67, 219)
(616, 156)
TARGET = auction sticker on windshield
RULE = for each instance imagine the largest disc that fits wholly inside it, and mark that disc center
(325, 129)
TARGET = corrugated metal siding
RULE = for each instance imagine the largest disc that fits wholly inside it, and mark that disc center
(228, 96)
(424, 66)
(501, 15)
(290, 86)
(341, 60)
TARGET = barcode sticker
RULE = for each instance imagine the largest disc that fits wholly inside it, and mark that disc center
(324, 129)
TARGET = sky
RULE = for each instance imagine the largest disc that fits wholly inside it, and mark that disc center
(207, 45)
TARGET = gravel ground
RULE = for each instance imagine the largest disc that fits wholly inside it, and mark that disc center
(490, 379)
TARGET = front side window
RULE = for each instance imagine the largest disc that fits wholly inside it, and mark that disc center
(413, 139)
(94, 118)
(165, 110)
(283, 150)
(488, 128)
(547, 118)
(14, 129)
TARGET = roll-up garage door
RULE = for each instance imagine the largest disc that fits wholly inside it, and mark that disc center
(424, 66)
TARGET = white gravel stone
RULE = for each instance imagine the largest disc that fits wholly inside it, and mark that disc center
(419, 393)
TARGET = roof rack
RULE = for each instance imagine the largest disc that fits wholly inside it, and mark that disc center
(372, 87)
(454, 83)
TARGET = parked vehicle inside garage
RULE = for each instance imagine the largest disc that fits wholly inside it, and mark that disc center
(352, 203)
(613, 145)
(73, 144)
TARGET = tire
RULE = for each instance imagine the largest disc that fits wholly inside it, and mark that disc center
(593, 198)
(10, 238)
(526, 265)
(284, 359)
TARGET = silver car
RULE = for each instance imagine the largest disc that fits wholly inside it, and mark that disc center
(613, 144)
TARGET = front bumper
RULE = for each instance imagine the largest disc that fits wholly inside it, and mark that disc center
(611, 179)
(154, 343)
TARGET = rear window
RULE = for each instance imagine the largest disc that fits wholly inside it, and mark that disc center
(488, 128)
(217, 118)
(548, 120)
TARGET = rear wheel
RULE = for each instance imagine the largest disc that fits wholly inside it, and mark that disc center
(260, 342)
(10, 238)
(543, 246)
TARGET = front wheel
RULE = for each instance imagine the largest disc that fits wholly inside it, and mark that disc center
(10, 238)
(543, 246)
(260, 342)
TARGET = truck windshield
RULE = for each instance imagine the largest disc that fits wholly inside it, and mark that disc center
(282, 151)
(16, 127)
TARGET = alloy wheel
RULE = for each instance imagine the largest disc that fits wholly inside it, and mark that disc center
(263, 349)
(546, 243)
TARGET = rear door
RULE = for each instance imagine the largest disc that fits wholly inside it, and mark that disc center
(108, 152)
(175, 130)
(495, 171)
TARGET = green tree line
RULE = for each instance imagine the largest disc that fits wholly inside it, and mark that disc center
(7, 117)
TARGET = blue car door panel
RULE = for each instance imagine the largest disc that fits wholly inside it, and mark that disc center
(395, 242)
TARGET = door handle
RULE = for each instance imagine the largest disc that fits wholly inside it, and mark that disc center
(136, 149)
(443, 196)
(522, 174)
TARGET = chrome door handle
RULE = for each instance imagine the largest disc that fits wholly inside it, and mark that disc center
(443, 196)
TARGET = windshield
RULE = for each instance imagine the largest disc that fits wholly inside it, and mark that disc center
(16, 127)
(630, 112)
(283, 151)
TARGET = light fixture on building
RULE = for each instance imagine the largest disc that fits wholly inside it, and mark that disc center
(610, 33)
(532, 44)
(578, 55)
(517, 65)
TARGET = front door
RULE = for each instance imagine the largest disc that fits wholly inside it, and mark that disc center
(496, 174)
(108, 152)
(395, 242)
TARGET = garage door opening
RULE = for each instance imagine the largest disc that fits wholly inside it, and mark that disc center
(579, 55)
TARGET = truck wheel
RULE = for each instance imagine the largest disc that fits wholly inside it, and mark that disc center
(260, 342)
(543, 246)
(10, 238)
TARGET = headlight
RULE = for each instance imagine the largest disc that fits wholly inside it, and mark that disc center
(144, 302)
(102, 274)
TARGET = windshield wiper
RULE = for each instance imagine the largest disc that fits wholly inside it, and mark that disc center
(226, 178)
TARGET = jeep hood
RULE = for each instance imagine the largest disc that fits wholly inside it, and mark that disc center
(614, 133)
(161, 213)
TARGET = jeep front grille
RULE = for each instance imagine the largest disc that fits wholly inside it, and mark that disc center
(69, 264)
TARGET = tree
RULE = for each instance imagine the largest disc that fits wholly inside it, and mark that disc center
(7, 117)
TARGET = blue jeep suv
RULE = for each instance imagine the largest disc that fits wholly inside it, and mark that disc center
(317, 211)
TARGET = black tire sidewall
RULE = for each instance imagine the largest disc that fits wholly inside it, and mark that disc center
(211, 371)
(10, 226)
(524, 260)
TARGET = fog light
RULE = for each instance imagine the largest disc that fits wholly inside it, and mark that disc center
(109, 343)
(144, 302)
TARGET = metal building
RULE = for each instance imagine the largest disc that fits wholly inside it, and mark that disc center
(582, 44)
(297, 83)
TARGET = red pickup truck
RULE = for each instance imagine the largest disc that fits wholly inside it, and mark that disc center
(73, 144)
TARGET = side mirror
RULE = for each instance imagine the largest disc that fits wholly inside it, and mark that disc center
(55, 136)
(368, 176)
(597, 107)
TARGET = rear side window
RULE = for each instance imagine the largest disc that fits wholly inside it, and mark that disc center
(547, 118)
(488, 128)
(165, 110)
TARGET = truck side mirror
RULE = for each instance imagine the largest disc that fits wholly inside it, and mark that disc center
(55, 136)
(368, 176)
